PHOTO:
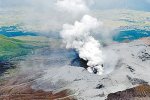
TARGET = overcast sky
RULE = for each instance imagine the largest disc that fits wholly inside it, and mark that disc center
(96, 4)
(129, 4)
(52, 14)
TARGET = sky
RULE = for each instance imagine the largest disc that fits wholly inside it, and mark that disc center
(50, 15)
(125, 4)
(96, 4)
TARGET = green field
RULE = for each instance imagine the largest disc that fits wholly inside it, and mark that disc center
(10, 48)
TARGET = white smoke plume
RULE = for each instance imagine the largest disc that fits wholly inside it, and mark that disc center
(75, 6)
(79, 37)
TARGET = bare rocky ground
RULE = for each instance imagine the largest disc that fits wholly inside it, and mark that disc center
(25, 92)
(16, 84)
(19, 88)
(57, 80)
(141, 92)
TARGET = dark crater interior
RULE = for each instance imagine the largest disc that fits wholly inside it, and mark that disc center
(77, 61)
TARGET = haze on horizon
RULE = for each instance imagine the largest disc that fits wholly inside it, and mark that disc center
(143, 5)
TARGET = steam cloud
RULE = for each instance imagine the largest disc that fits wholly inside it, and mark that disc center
(75, 6)
(79, 36)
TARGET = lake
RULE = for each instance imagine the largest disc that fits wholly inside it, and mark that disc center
(129, 35)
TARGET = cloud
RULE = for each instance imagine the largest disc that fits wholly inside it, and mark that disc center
(50, 15)
(79, 37)
(72, 4)
(37, 15)
(75, 6)
(44, 16)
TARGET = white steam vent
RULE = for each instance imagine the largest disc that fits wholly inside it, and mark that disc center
(79, 37)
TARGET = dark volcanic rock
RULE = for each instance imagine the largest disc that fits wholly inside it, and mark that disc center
(141, 92)
(4, 66)
(130, 68)
(79, 62)
(136, 81)
(99, 86)
(144, 56)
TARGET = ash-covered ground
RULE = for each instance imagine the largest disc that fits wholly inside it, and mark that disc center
(51, 69)
(74, 49)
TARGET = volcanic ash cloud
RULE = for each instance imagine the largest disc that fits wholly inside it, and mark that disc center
(79, 37)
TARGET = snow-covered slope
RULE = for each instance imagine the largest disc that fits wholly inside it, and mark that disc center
(132, 69)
